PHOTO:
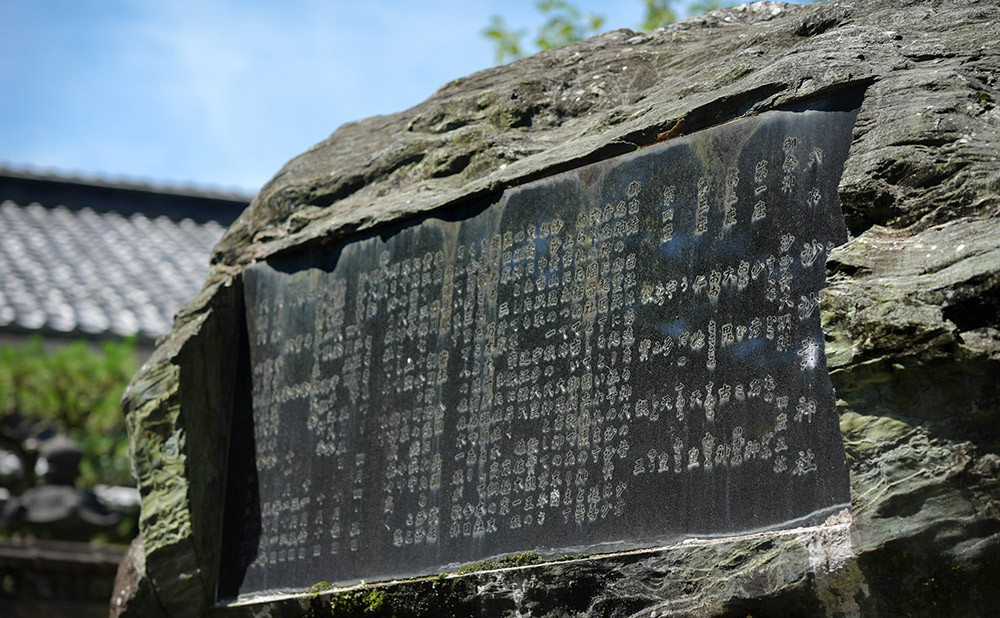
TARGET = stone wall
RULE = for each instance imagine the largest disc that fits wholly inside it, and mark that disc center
(911, 313)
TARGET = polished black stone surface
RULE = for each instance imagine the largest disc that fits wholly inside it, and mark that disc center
(611, 358)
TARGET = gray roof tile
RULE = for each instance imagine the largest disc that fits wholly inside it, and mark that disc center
(87, 272)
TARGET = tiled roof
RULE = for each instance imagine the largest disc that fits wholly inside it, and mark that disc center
(109, 263)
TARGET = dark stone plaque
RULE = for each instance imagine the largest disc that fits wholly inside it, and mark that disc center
(611, 358)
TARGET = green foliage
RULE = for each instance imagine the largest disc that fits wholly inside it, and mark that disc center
(73, 389)
(658, 13)
(564, 23)
(708, 5)
(508, 42)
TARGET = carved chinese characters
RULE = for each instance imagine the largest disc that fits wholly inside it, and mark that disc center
(607, 359)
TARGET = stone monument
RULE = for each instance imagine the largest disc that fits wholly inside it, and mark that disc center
(606, 359)
(612, 315)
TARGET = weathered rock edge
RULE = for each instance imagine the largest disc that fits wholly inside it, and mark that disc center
(911, 311)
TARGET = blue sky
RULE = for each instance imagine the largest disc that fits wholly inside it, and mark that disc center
(221, 93)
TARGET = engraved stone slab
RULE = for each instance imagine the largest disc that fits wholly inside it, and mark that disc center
(611, 358)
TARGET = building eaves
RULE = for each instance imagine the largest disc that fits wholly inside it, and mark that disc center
(99, 260)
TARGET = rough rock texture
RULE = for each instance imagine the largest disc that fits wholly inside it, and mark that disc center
(912, 312)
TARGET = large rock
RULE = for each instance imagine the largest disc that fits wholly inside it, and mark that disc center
(911, 314)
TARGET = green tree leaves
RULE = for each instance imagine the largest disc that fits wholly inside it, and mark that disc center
(507, 42)
(564, 24)
(658, 13)
(705, 6)
(74, 389)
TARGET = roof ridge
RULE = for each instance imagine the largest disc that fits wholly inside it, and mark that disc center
(190, 189)
(25, 187)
